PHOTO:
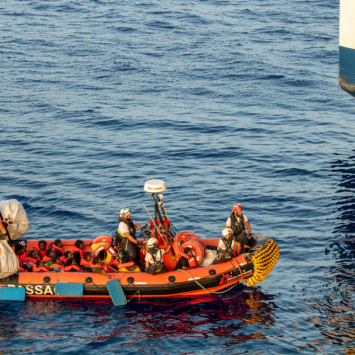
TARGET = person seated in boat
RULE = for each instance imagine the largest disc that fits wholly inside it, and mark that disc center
(154, 257)
(57, 247)
(78, 251)
(32, 258)
(67, 255)
(226, 247)
(21, 255)
(238, 221)
(70, 266)
(127, 232)
(39, 267)
(183, 262)
(97, 267)
(85, 261)
(57, 265)
(41, 248)
(48, 258)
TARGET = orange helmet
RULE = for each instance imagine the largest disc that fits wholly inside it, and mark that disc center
(237, 207)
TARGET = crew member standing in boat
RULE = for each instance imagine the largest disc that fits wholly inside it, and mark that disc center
(127, 231)
(238, 221)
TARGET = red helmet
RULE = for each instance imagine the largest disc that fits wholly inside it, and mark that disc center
(237, 207)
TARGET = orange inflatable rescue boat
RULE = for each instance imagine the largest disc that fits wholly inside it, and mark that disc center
(203, 278)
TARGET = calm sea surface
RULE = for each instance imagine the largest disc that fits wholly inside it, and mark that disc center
(228, 102)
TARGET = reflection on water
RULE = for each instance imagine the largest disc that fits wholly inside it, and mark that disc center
(336, 308)
(209, 317)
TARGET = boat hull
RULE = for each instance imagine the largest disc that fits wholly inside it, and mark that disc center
(219, 278)
(214, 278)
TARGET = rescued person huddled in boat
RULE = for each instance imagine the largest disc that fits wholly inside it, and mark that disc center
(70, 266)
(32, 258)
(154, 257)
(20, 254)
(57, 247)
(78, 251)
(42, 248)
(67, 255)
(97, 267)
(85, 261)
(48, 258)
(39, 267)
(226, 247)
(57, 265)
(183, 262)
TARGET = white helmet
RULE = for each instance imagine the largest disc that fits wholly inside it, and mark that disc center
(226, 232)
(124, 212)
(152, 242)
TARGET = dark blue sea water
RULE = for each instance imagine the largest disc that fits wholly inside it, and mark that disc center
(228, 102)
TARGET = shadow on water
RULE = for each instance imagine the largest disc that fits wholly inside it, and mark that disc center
(336, 320)
(224, 317)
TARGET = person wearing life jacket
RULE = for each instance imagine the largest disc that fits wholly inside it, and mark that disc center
(57, 247)
(154, 257)
(67, 255)
(21, 255)
(41, 248)
(31, 259)
(127, 232)
(183, 263)
(48, 258)
(238, 221)
(226, 247)
(57, 265)
(70, 266)
(39, 267)
(85, 261)
(78, 251)
(97, 267)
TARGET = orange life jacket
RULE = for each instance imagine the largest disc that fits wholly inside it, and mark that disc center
(46, 258)
(70, 267)
(42, 253)
(22, 258)
(80, 251)
(28, 259)
(39, 268)
(103, 266)
(53, 246)
(19, 259)
(63, 259)
(83, 262)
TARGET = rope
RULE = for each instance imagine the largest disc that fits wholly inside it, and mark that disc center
(133, 297)
(239, 269)
(214, 292)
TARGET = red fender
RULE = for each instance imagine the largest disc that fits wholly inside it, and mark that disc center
(108, 248)
(103, 239)
(189, 239)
